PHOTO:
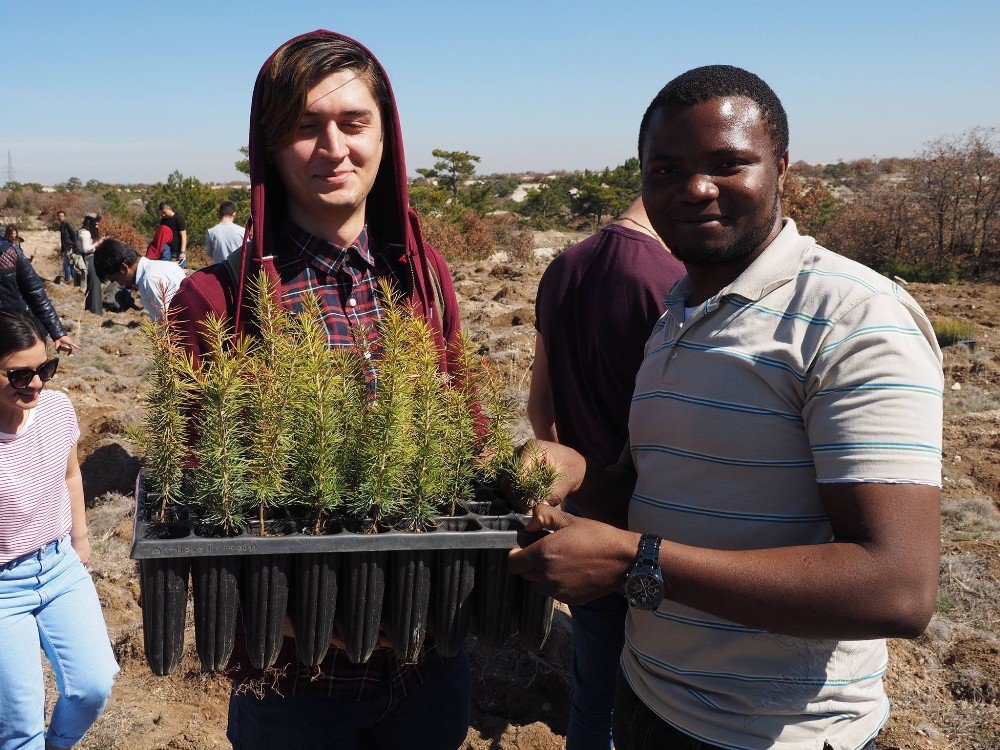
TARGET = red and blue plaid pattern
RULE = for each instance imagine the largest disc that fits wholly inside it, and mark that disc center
(344, 280)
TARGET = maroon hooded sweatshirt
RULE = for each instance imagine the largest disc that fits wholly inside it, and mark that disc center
(223, 289)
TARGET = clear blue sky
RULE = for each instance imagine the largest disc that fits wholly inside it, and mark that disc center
(128, 91)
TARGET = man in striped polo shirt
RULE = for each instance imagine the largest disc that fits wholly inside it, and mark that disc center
(780, 492)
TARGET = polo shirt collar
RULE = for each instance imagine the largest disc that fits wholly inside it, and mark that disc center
(323, 255)
(777, 265)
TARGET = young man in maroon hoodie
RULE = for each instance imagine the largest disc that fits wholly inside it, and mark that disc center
(331, 215)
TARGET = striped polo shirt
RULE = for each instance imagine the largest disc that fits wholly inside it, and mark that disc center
(807, 368)
(34, 498)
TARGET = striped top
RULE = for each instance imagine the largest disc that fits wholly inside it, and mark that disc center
(808, 368)
(34, 498)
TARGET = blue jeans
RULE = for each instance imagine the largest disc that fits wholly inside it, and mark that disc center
(67, 261)
(166, 255)
(47, 600)
(433, 717)
(598, 639)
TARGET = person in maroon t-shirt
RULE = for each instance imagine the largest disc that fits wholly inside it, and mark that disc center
(597, 303)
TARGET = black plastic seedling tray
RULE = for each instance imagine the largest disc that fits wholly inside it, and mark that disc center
(446, 582)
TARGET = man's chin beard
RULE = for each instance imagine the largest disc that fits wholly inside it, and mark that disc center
(709, 256)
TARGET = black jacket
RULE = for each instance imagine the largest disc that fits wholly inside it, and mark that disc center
(67, 237)
(21, 289)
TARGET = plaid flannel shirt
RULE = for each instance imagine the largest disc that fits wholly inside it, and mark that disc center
(345, 281)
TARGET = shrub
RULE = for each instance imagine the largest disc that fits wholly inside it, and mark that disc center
(918, 271)
(951, 331)
(124, 231)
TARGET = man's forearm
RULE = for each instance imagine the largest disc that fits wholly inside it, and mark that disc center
(838, 590)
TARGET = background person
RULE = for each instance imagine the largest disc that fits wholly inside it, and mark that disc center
(90, 238)
(177, 250)
(596, 305)
(67, 246)
(159, 246)
(226, 237)
(47, 598)
(21, 290)
(157, 281)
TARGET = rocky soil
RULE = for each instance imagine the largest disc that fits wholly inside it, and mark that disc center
(945, 686)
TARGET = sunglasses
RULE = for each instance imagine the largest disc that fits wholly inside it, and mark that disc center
(21, 377)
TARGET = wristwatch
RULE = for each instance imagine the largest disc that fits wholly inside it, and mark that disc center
(644, 584)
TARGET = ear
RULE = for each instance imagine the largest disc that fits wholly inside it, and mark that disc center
(782, 172)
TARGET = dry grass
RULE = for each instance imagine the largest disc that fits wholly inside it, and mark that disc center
(968, 591)
(970, 518)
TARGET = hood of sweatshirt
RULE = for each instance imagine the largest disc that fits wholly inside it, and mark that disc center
(387, 208)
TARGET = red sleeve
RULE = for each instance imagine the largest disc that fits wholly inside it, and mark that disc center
(201, 294)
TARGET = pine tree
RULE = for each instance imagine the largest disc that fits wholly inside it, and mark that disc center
(271, 374)
(221, 477)
(161, 436)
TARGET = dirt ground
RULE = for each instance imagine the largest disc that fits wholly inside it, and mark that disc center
(945, 685)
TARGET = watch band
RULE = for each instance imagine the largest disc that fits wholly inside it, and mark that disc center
(649, 550)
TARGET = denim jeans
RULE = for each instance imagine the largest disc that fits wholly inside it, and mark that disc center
(432, 717)
(67, 262)
(638, 728)
(598, 638)
(166, 255)
(47, 600)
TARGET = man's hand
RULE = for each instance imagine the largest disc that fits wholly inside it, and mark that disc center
(66, 344)
(570, 465)
(581, 560)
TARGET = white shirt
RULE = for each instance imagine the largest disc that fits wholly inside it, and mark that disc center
(223, 239)
(157, 282)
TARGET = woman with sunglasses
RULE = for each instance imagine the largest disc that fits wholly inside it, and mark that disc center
(47, 598)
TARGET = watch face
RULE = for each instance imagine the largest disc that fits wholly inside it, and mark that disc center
(644, 589)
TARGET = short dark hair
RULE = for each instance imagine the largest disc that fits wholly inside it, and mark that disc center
(17, 332)
(60, 211)
(110, 255)
(163, 205)
(227, 208)
(301, 64)
(713, 81)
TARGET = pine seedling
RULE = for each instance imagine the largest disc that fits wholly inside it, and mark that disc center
(223, 465)
(461, 405)
(430, 475)
(271, 374)
(387, 452)
(326, 391)
(533, 476)
(161, 436)
(497, 457)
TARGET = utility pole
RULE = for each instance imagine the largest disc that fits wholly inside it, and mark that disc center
(10, 168)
